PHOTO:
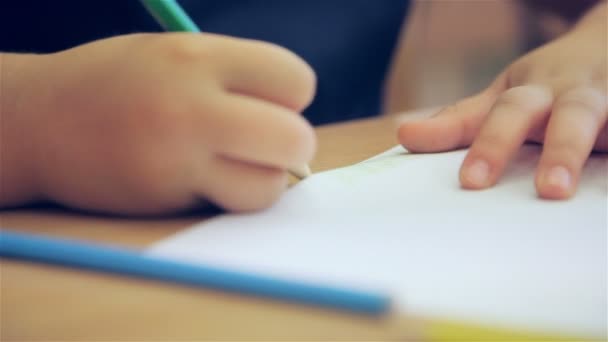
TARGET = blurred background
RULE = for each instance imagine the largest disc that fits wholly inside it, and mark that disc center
(449, 49)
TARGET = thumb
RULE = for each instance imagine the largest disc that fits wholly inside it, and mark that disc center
(454, 126)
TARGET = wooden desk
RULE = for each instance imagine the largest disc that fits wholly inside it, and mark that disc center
(41, 302)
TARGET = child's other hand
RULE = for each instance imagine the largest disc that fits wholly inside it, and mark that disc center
(555, 95)
(149, 124)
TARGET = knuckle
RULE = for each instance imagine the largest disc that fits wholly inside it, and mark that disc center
(181, 47)
(524, 98)
(588, 99)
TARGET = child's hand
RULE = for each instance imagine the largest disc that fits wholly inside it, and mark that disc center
(155, 123)
(556, 95)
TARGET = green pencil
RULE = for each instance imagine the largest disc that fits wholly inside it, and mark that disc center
(170, 15)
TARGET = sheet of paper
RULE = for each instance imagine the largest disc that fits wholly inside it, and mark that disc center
(401, 223)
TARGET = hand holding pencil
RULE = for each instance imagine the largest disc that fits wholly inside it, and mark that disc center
(155, 123)
(172, 17)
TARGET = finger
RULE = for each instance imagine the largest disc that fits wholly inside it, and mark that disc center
(267, 71)
(454, 126)
(238, 186)
(577, 119)
(516, 112)
(252, 130)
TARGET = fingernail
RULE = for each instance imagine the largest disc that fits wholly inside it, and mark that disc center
(477, 173)
(559, 177)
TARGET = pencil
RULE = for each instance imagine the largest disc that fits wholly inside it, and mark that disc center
(105, 258)
(172, 17)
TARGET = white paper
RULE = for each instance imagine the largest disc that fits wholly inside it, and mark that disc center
(401, 223)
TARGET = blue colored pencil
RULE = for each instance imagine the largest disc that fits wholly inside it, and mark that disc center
(113, 259)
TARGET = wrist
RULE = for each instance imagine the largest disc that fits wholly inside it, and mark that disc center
(17, 138)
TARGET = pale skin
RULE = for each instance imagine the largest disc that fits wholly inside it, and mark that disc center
(556, 95)
(154, 124)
